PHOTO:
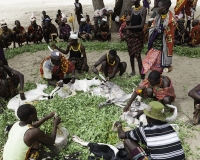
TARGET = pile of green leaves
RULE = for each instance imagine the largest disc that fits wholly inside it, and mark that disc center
(99, 46)
(81, 116)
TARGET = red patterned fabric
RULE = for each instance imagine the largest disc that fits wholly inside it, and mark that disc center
(161, 93)
(195, 35)
(179, 6)
(152, 61)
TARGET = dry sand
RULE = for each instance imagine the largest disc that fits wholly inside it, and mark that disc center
(184, 76)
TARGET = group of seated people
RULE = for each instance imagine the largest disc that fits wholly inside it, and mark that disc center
(56, 67)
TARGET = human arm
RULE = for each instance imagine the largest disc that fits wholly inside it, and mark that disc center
(103, 58)
(44, 119)
(141, 26)
(61, 50)
(195, 93)
(37, 134)
(73, 76)
(115, 68)
(84, 57)
(21, 80)
(120, 131)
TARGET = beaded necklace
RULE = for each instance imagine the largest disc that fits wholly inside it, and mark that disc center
(112, 64)
(138, 8)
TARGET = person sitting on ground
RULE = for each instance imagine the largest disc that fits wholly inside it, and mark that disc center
(20, 33)
(55, 67)
(195, 94)
(122, 32)
(65, 29)
(159, 137)
(49, 31)
(110, 65)
(58, 17)
(84, 30)
(6, 35)
(25, 136)
(35, 33)
(195, 33)
(43, 17)
(155, 86)
(104, 33)
(76, 51)
(8, 85)
(161, 40)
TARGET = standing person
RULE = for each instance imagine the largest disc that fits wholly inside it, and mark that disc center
(58, 17)
(77, 53)
(161, 40)
(25, 136)
(135, 39)
(78, 10)
(146, 4)
(159, 137)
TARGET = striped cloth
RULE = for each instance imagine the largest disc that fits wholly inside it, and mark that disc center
(161, 140)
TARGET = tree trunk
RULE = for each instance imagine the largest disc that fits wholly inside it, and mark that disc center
(127, 4)
(98, 4)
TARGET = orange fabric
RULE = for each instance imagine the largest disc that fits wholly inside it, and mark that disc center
(66, 67)
(160, 93)
(152, 61)
(188, 6)
(169, 31)
(179, 6)
(195, 35)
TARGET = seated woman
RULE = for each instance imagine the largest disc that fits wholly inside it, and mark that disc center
(155, 86)
(20, 33)
(85, 30)
(104, 33)
(195, 33)
(34, 33)
(8, 85)
(77, 53)
(110, 65)
(6, 35)
(55, 67)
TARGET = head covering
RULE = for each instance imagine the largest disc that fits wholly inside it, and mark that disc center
(47, 19)
(73, 35)
(83, 19)
(32, 18)
(156, 111)
(54, 54)
(64, 18)
(3, 25)
(104, 19)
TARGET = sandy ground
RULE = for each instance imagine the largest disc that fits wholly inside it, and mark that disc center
(184, 76)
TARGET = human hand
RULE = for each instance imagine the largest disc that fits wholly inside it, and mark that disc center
(53, 46)
(59, 84)
(139, 113)
(73, 80)
(94, 70)
(127, 107)
(50, 115)
(22, 96)
(117, 124)
(56, 121)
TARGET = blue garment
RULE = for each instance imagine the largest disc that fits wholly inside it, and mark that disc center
(85, 28)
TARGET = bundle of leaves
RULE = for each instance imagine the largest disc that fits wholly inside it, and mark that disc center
(81, 116)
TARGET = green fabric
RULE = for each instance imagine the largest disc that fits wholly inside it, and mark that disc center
(155, 111)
